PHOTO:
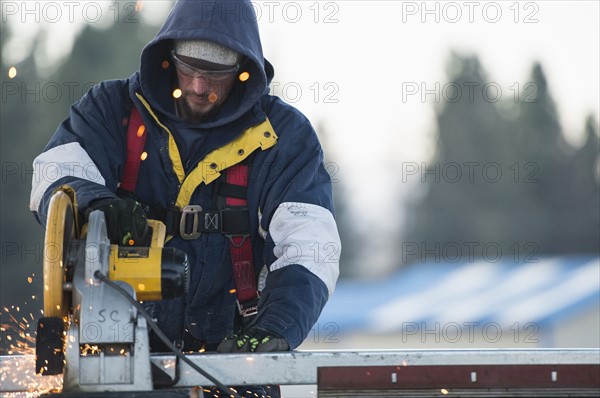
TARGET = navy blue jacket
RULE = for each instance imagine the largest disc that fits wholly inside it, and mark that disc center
(296, 246)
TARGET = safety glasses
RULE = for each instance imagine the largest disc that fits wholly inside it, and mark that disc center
(209, 75)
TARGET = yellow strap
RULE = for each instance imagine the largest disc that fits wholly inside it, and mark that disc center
(173, 151)
(209, 169)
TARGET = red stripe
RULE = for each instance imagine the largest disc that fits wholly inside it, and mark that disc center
(135, 147)
(370, 378)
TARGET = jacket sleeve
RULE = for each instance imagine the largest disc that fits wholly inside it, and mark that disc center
(86, 151)
(302, 244)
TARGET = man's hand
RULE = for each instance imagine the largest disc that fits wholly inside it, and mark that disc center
(126, 222)
(253, 340)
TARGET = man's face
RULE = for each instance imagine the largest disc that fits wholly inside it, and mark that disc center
(203, 86)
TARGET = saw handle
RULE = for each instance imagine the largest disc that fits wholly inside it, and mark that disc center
(126, 222)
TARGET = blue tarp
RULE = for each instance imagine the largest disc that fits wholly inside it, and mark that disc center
(477, 291)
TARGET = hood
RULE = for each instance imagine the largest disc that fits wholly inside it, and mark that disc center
(227, 22)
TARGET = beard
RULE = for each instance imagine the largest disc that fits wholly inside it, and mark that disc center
(191, 115)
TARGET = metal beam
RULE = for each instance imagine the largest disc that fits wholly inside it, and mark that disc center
(293, 368)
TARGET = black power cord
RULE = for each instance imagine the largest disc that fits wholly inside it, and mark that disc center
(161, 335)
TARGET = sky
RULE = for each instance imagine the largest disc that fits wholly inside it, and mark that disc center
(369, 74)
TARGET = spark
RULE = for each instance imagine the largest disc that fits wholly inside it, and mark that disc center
(29, 279)
(213, 97)
(177, 93)
(444, 391)
(22, 366)
(244, 76)
(87, 349)
(12, 72)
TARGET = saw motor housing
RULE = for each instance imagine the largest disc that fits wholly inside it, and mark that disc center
(89, 331)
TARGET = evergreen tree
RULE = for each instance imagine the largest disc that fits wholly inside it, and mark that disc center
(543, 155)
(581, 195)
(527, 191)
(464, 194)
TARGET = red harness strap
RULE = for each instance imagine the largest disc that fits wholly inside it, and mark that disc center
(240, 248)
(136, 139)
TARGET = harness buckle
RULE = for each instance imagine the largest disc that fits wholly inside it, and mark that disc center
(248, 308)
(194, 212)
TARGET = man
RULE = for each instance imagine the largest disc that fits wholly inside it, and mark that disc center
(201, 93)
